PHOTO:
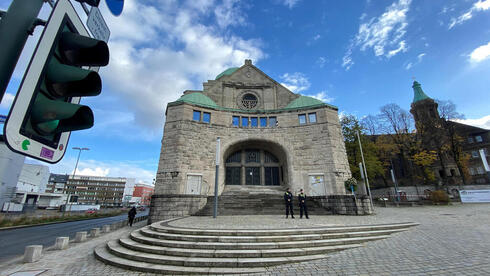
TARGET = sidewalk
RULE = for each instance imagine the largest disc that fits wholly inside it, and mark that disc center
(450, 240)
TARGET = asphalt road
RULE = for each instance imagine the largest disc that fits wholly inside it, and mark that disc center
(14, 241)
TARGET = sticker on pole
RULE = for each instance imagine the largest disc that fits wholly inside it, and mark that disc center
(97, 26)
(115, 6)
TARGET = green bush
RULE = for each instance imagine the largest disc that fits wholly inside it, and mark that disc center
(350, 182)
(439, 196)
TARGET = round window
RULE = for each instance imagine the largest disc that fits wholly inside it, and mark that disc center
(249, 101)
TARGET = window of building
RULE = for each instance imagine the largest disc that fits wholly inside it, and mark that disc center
(253, 121)
(480, 170)
(472, 171)
(263, 121)
(272, 121)
(470, 140)
(302, 119)
(244, 121)
(478, 138)
(235, 121)
(252, 156)
(206, 117)
(249, 101)
(474, 154)
(312, 117)
(196, 116)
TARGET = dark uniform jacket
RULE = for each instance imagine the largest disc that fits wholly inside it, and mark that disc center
(288, 195)
(301, 198)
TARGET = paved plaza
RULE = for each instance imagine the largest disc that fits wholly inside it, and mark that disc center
(450, 240)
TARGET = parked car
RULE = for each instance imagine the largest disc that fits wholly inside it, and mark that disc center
(91, 211)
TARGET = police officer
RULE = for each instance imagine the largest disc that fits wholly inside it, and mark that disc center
(288, 199)
(302, 204)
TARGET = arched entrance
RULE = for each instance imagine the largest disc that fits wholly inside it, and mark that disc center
(255, 163)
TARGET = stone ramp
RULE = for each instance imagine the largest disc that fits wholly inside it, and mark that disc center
(161, 248)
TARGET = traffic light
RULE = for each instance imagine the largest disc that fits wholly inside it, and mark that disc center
(63, 69)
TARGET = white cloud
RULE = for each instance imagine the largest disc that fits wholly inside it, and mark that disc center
(420, 57)
(159, 51)
(483, 122)
(93, 171)
(229, 14)
(290, 3)
(386, 30)
(478, 6)
(296, 82)
(316, 37)
(322, 96)
(383, 34)
(402, 48)
(408, 66)
(321, 61)
(481, 53)
(7, 100)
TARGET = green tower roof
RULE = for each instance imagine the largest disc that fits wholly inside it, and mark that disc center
(227, 72)
(304, 101)
(198, 98)
(418, 93)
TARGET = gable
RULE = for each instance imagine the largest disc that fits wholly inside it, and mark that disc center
(232, 85)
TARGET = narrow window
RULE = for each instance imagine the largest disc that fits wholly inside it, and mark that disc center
(196, 116)
(253, 122)
(206, 117)
(302, 119)
(263, 121)
(244, 121)
(272, 122)
(312, 117)
(236, 121)
(470, 140)
(474, 154)
(478, 138)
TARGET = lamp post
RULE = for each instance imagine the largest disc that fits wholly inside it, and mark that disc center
(215, 210)
(74, 172)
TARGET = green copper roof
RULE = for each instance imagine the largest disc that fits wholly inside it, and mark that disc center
(227, 72)
(304, 101)
(418, 93)
(198, 99)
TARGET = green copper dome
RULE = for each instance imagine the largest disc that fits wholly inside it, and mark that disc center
(227, 72)
(418, 93)
(198, 99)
(304, 101)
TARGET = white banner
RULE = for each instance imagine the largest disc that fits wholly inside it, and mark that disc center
(468, 196)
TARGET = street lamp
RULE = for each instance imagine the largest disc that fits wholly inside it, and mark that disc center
(74, 172)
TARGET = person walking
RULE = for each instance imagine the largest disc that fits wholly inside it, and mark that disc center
(131, 215)
(302, 204)
(288, 200)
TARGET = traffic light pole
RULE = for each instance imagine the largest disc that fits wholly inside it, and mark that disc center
(15, 27)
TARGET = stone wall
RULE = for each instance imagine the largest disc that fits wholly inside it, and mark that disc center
(170, 206)
(344, 204)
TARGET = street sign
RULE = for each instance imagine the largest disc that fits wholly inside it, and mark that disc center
(39, 124)
(97, 26)
(115, 6)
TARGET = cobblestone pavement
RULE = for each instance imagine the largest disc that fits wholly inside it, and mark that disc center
(450, 240)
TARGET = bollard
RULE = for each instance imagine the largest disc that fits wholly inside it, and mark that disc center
(33, 253)
(62, 243)
(81, 236)
(95, 232)
(106, 228)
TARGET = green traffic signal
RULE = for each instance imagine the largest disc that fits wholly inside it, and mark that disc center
(52, 111)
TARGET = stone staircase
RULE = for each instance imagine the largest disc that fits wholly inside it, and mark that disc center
(161, 248)
(255, 200)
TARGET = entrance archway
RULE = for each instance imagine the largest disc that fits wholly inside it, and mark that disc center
(255, 163)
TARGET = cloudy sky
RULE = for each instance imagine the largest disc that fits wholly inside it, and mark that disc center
(357, 55)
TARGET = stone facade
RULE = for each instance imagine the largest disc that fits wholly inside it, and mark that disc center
(305, 152)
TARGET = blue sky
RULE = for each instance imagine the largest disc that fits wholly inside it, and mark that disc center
(357, 55)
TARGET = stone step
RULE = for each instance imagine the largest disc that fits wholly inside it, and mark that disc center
(137, 236)
(146, 231)
(116, 249)
(102, 254)
(212, 253)
(159, 227)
